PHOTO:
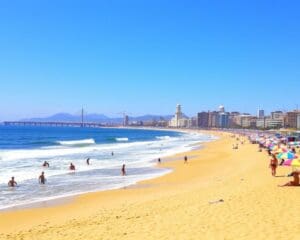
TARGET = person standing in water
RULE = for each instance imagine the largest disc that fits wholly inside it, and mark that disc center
(159, 160)
(42, 179)
(123, 171)
(88, 161)
(72, 167)
(12, 182)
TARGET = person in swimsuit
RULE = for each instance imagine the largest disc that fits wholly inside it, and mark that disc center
(12, 182)
(42, 179)
(88, 161)
(273, 165)
(46, 164)
(123, 171)
(72, 167)
(295, 182)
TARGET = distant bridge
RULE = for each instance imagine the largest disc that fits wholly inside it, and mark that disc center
(53, 124)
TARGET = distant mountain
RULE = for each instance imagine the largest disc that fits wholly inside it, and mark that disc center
(99, 118)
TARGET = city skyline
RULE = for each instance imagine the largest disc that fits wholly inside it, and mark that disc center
(145, 57)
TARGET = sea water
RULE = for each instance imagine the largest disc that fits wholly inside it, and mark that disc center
(24, 149)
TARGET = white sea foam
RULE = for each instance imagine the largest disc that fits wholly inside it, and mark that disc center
(83, 142)
(122, 139)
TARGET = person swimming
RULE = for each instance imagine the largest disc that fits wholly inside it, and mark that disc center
(46, 164)
(12, 182)
(42, 179)
(123, 171)
(72, 167)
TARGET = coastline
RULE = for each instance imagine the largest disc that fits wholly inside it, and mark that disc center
(176, 204)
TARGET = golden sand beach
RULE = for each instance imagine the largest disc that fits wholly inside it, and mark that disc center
(184, 204)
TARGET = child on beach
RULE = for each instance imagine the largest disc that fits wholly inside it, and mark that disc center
(273, 165)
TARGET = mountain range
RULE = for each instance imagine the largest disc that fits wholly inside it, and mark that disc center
(99, 118)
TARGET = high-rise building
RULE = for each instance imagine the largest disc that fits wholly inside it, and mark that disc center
(202, 119)
(221, 109)
(213, 119)
(223, 120)
(178, 120)
(126, 120)
(260, 113)
(291, 120)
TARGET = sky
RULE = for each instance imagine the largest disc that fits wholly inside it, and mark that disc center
(144, 57)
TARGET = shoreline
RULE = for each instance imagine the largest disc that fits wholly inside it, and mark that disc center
(68, 198)
(185, 203)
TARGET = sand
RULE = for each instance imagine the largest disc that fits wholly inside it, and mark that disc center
(184, 204)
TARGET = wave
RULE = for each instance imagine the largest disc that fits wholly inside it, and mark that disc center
(83, 142)
(122, 139)
(163, 137)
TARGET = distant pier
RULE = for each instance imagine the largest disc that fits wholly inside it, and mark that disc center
(53, 124)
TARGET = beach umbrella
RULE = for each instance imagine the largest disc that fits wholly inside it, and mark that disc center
(286, 155)
(292, 163)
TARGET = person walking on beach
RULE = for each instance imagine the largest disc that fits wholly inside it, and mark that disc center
(42, 179)
(72, 167)
(159, 160)
(185, 159)
(88, 161)
(123, 171)
(273, 165)
(12, 182)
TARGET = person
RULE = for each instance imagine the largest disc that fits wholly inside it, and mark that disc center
(185, 159)
(159, 160)
(295, 181)
(112, 153)
(46, 164)
(12, 182)
(269, 152)
(88, 161)
(72, 167)
(42, 179)
(273, 164)
(123, 171)
(282, 162)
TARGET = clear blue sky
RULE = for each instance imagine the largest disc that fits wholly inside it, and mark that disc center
(147, 56)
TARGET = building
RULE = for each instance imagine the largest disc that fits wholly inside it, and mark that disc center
(291, 119)
(126, 120)
(223, 120)
(260, 113)
(202, 120)
(221, 109)
(298, 121)
(213, 119)
(178, 120)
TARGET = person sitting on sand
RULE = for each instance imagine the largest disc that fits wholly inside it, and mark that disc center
(12, 182)
(295, 181)
(42, 179)
(123, 171)
(273, 164)
(72, 167)
(88, 161)
(46, 164)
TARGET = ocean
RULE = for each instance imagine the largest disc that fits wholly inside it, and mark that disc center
(24, 149)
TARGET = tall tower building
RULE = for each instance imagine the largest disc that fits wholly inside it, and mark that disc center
(221, 109)
(260, 113)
